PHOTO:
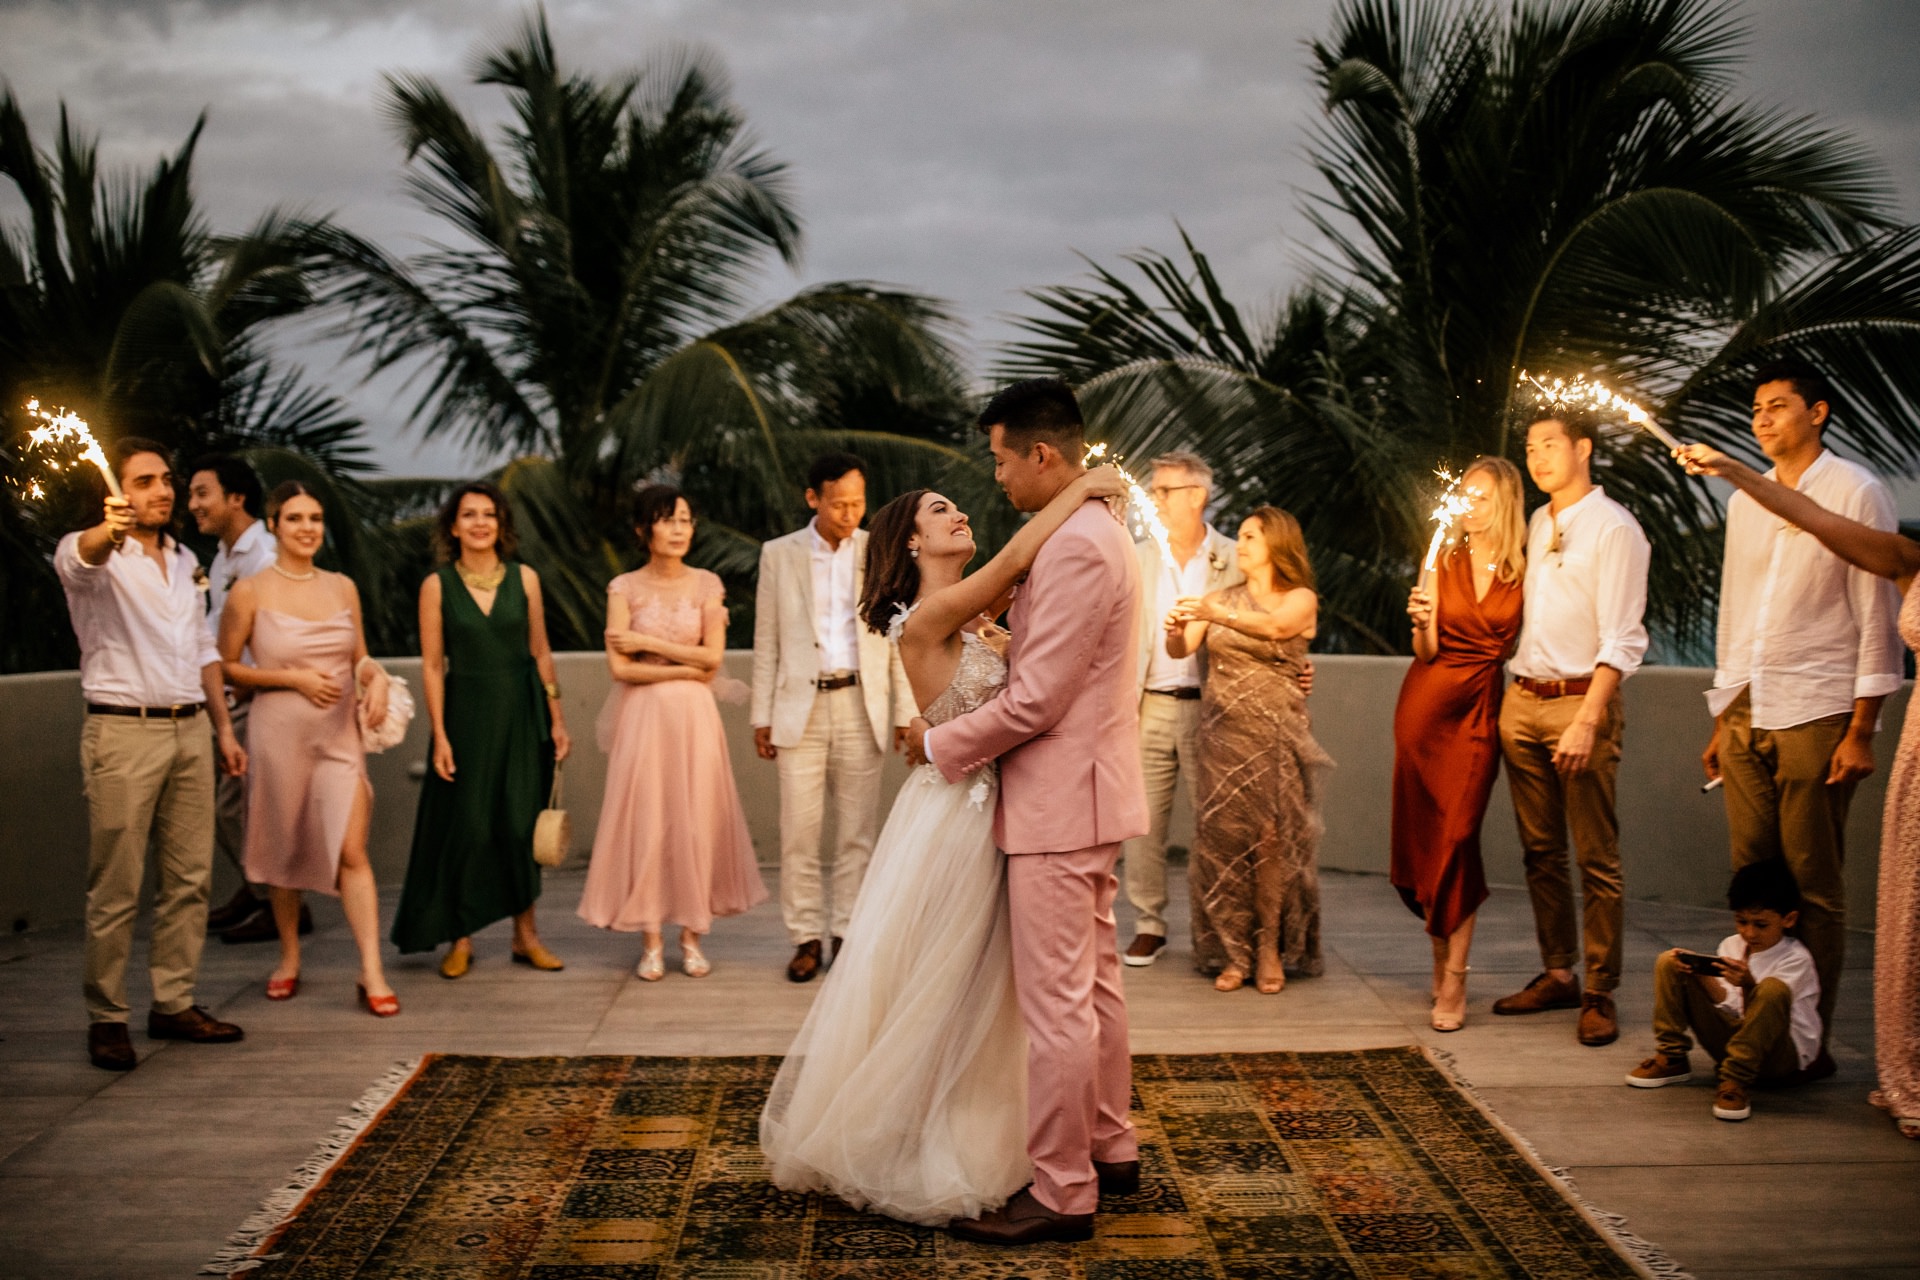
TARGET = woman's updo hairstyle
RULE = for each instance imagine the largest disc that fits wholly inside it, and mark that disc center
(893, 575)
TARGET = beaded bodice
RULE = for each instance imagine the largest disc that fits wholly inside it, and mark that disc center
(981, 674)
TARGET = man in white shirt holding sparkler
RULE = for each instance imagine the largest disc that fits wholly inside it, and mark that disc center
(1561, 720)
(1805, 653)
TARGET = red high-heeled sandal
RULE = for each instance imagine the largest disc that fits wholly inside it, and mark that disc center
(379, 1006)
(283, 988)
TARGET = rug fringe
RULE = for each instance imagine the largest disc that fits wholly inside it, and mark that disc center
(241, 1253)
(1646, 1257)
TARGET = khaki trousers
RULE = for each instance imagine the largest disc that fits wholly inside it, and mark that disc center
(230, 802)
(1545, 805)
(149, 782)
(1169, 745)
(1758, 1046)
(1780, 806)
(837, 753)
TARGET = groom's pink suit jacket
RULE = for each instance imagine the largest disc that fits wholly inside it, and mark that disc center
(1066, 731)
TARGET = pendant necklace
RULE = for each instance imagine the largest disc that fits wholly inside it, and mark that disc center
(488, 581)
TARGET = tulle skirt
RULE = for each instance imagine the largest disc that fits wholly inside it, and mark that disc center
(905, 1091)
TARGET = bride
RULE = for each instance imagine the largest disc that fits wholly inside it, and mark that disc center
(905, 1091)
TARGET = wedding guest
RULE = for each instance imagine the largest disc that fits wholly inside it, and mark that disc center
(1255, 876)
(828, 697)
(493, 696)
(1202, 561)
(1446, 737)
(1896, 940)
(1804, 655)
(292, 635)
(225, 499)
(1561, 722)
(148, 669)
(672, 844)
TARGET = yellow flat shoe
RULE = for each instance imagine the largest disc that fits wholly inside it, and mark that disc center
(456, 962)
(539, 958)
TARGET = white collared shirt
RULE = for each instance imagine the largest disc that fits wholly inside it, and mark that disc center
(143, 634)
(835, 624)
(1587, 598)
(1800, 628)
(1172, 582)
(251, 553)
(1790, 962)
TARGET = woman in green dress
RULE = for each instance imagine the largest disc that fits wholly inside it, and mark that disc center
(492, 696)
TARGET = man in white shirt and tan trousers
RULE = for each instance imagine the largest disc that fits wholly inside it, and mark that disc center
(148, 670)
(1561, 721)
(829, 698)
(1805, 653)
(1203, 561)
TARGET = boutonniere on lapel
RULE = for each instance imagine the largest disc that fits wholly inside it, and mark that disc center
(201, 583)
(1214, 562)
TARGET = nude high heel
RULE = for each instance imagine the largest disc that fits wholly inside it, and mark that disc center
(1449, 1021)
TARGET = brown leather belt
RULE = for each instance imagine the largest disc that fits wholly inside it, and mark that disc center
(827, 684)
(178, 711)
(1189, 694)
(1555, 688)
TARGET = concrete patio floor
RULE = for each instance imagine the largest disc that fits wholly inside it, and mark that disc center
(145, 1174)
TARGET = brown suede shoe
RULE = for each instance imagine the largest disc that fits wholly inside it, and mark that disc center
(192, 1023)
(1598, 1026)
(1143, 950)
(108, 1047)
(1543, 993)
(805, 965)
(1023, 1220)
(1117, 1177)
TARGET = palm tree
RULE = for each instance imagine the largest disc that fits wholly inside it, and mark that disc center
(590, 322)
(117, 300)
(1559, 188)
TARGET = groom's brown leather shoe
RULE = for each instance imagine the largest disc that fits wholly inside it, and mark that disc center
(805, 963)
(1117, 1177)
(1023, 1220)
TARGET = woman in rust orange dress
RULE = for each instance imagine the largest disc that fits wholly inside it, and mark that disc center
(1446, 738)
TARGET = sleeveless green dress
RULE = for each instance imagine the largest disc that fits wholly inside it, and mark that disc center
(472, 860)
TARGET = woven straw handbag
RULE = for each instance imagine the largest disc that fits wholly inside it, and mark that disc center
(552, 830)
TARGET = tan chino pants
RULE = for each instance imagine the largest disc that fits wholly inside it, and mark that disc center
(1546, 806)
(148, 782)
(1758, 1046)
(837, 754)
(1169, 746)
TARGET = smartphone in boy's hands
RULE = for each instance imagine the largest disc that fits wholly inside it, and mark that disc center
(1701, 962)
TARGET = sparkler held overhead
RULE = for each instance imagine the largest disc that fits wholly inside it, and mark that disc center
(65, 428)
(1587, 393)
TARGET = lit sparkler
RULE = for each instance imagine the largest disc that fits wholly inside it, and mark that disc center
(1140, 506)
(69, 429)
(1453, 505)
(1585, 393)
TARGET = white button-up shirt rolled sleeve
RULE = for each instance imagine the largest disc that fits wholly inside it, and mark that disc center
(144, 638)
(1587, 599)
(1801, 630)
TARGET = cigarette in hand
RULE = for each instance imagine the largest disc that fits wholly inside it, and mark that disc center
(1712, 786)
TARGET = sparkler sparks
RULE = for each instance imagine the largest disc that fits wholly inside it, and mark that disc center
(1586, 393)
(1140, 505)
(71, 431)
(1453, 505)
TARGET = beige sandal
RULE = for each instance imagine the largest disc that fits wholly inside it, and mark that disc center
(1449, 1021)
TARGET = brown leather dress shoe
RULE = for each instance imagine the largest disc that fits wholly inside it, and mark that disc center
(805, 965)
(1117, 1177)
(108, 1047)
(1598, 1025)
(1023, 1220)
(192, 1023)
(835, 953)
(1543, 993)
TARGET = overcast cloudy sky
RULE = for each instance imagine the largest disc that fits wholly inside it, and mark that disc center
(964, 147)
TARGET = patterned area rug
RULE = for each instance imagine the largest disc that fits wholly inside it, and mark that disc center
(1320, 1165)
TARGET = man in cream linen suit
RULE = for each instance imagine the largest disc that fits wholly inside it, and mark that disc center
(829, 696)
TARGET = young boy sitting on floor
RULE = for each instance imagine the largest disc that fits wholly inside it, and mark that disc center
(1754, 1007)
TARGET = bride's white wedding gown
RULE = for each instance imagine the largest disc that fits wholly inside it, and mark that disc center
(906, 1090)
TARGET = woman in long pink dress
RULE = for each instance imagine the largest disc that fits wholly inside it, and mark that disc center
(292, 635)
(672, 842)
(1896, 938)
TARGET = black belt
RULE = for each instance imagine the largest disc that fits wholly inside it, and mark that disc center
(827, 684)
(178, 711)
(1188, 694)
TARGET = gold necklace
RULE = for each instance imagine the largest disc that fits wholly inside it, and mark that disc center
(488, 581)
(308, 576)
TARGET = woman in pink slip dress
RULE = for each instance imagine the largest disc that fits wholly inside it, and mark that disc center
(292, 636)
(672, 842)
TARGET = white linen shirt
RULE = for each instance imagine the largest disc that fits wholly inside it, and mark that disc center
(143, 635)
(1172, 582)
(1800, 628)
(1586, 600)
(251, 553)
(1791, 962)
(835, 624)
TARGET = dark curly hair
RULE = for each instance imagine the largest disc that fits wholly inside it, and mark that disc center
(447, 547)
(893, 576)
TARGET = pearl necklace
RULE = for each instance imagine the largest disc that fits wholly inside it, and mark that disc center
(308, 576)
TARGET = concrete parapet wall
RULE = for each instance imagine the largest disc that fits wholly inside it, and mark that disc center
(1673, 839)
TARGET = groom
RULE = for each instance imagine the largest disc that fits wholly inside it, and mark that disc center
(1066, 733)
